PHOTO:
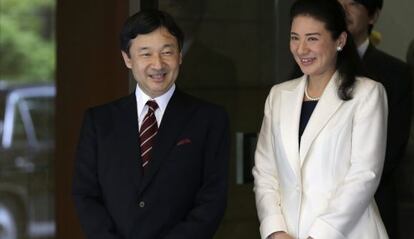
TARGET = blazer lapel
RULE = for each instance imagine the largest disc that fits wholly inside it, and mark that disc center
(128, 139)
(175, 117)
(327, 106)
(291, 104)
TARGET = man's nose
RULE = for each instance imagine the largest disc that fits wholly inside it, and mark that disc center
(157, 62)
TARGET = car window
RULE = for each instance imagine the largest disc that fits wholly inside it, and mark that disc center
(19, 133)
(42, 115)
(34, 121)
(2, 105)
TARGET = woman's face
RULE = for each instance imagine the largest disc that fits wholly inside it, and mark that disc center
(313, 47)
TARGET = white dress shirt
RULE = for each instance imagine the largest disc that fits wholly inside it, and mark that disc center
(161, 100)
(363, 48)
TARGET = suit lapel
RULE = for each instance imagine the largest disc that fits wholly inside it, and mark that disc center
(372, 68)
(175, 117)
(128, 139)
(367, 59)
(291, 104)
(369, 53)
(328, 104)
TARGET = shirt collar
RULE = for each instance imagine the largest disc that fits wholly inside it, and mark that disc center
(161, 100)
(363, 48)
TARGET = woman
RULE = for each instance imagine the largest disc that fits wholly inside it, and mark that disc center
(321, 147)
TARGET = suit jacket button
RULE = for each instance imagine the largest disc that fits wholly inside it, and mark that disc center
(142, 204)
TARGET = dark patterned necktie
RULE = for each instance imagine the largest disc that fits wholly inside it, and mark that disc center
(148, 132)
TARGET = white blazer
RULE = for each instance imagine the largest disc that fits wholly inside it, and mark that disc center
(325, 188)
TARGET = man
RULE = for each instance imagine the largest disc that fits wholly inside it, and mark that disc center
(395, 76)
(152, 164)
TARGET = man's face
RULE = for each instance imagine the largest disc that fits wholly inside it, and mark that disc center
(154, 60)
(358, 20)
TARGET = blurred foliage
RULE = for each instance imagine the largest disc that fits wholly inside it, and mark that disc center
(27, 40)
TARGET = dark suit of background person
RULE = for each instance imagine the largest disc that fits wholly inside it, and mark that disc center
(395, 76)
(181, 193)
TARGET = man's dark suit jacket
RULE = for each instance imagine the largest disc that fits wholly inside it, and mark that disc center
(395, 76)
(182, 193)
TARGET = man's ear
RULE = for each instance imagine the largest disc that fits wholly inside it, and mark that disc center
(181, 57)
(374, 17)
(127, 60)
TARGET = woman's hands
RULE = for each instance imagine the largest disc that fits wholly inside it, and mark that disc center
(280, 235)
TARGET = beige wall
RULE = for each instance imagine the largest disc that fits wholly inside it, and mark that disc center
(396, 24)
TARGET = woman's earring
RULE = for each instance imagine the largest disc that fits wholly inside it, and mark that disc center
(339, 48)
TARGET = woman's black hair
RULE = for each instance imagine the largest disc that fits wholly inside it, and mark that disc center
(331, 13)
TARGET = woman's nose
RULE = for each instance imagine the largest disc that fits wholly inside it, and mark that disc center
(302, 48)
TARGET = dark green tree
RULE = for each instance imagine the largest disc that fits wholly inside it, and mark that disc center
(27, 40)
